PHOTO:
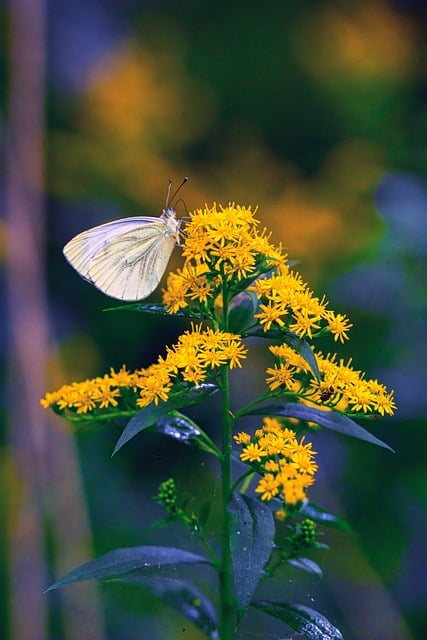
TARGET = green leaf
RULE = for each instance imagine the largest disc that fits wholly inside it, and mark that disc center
(304, 349)
(251, 545)
(184, 597)
(122, 561)
(180, 427)
(156, 308)
(148, 416)
(305, 564)
(310, 623)
(321, 516)
(241, 311)
(300, 345)
(329, 419)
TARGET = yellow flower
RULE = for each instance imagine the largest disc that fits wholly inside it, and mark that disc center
(215, 235)
(362, 398)
(304, 323)
(271, 425)
(290, 356)
(302, 460)
(270, 313)
(222, 244)
(252, 453)
(310, 304)
(339, 326)
(155, 385)
(294, 491)
(50, 399)
(212, 358)
(106, 396)
(235, 351)
(224, 249)
(243, 262)
(271, 442)
(196, 351)
(242, 438)
(268, 486)
(194, 375)
(384, 403)
(286, 466)
(280, 376)
(271, 465)
(340, 386)
(121, 378)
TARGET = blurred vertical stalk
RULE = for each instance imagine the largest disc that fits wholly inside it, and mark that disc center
(27, 337)
(42, 470)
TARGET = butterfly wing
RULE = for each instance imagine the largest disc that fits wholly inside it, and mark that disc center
(81, 249)
(125, 258)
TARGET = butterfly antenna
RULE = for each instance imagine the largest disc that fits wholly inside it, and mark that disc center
(168, 193)
(171, 198)
(185, 207)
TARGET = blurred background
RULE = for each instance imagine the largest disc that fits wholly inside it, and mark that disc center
(316, 112)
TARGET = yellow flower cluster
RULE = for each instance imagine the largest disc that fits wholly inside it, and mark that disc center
(221, 244)
(286, 466)
(191, 360)
(225, 254)
(114, 394)
(287, 302)
(341, 387)
(122, 393)
(224, 244)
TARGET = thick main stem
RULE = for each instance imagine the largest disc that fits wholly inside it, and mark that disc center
(227, 608)
(226, 596)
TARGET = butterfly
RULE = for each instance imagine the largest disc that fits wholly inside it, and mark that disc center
(127, 258)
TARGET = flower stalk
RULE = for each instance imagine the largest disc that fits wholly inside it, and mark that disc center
(226, 597)
(237, 285)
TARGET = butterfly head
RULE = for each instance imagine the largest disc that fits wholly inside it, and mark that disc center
(169, 214)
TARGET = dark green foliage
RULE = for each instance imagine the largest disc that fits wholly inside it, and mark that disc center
(133, 560)
(252, 544)
(312, 624)
(329, 419)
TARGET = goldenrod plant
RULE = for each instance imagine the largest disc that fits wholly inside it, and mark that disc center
(235, 285)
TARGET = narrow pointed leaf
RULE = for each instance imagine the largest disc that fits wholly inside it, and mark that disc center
(305, 564)
(180, 427)
(152, 414)
(321, 516)
(299, 345)
(303, 348)
(122, 561)
(329, 419)
(251, 544)
(310, 623)
(184, 597)
(155, 308)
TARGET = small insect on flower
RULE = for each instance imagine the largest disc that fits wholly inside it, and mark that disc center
(127, 258)
(326, 394)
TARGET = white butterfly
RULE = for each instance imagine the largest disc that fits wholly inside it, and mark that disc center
(126, 258)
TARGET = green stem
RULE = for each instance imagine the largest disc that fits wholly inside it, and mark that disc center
(247, 409)
(209, 551)
(226, 597)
